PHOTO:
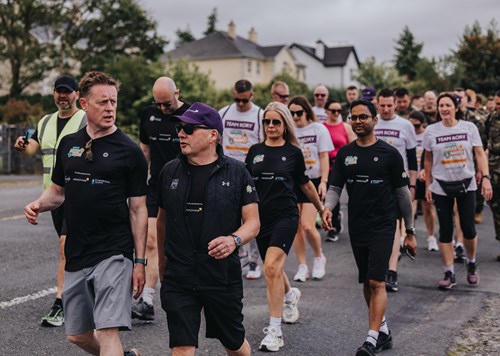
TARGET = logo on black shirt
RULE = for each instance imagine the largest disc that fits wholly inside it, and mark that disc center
(174, 184)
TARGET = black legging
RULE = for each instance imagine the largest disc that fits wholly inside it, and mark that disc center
(466, 205)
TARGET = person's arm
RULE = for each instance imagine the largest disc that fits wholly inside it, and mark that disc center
(331, 201)
(223, 246)
(404, 199)
(145, 150)
(324, 165)
(51, 198)
(483, 169)
(411, 156)
(139, 225)
(351, 136)
(160, 240)
(428, 174)
(26, 148)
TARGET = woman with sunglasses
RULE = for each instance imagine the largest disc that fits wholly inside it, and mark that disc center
(450, 147)
(316, 144)
(278, 169)
(341, 134)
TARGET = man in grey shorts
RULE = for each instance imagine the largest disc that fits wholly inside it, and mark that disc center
(101, 175)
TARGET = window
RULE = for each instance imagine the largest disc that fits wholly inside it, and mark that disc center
(258, 67)
(249, 66)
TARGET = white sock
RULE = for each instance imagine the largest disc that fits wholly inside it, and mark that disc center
(449, 268)
(383, 326)
(471, 260)
(289, 296)
(275, 322)
(147, 295)
(372, 337)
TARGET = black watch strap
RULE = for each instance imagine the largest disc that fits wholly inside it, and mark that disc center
(143, 261)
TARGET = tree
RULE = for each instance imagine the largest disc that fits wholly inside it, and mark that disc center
(212, 22)
(371, 74)
(480, 55)
(26, 42)
(407, 54)
(184, 37)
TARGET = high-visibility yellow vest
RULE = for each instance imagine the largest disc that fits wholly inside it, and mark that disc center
(48, 140)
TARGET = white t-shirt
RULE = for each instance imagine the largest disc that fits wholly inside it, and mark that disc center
(399, 133)
(452, 152)
(320, 113)
(241, 130)
(314, 139)
(420, 148)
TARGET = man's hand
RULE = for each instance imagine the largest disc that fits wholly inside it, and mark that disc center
(138, 279)
(410, 244)
(31, 212)
(221, 247)
(20, 144)
(326, 219)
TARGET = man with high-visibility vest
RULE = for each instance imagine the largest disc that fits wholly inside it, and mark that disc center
(48, 133)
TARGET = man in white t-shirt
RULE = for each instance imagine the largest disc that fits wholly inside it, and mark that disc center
(397, 132)
(320, 98)
(242, 129)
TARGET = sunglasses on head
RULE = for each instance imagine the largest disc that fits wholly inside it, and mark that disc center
(267, 122)
(361, 118)
(244, 101)
(335, 111)
(88, 154)
(299, 113)
(189, 128)
(319, 95)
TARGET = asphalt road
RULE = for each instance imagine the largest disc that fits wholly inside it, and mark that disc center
(333, 316)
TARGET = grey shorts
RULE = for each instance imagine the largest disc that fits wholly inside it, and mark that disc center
(98, 297)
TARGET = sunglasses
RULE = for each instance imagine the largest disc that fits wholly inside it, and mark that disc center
(299, 113)
(285, 96)
(361, 118)
(244, 101)
(88, 154)
(189, 128)
(166, 104)
(335, 111)
(319, 95)
(267, 122)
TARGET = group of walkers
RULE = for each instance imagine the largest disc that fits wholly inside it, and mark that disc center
(230, 192)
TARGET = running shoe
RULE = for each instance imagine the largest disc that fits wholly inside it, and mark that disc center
(143, 311)
(290, 308)
(302, 274)
(391, 281)
(254, 272)
(244, 258)
(448, 282)
(384, 341)
(55, 317)
(366, 350)
(132, 352)
(319, 267)
(432, 244)
(273, 340)
(472, 275)
(459, 253)
(332, 236)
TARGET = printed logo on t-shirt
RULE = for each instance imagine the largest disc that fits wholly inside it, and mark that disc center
(76, 151)
(242, 125)
(404, 174)
(451, 138)
(350, 160)
(387, 133)
(307, 139)
(226, 184)
(174, 183)
(258, 159)
(153, 118)
(105, 154)
(250, 189)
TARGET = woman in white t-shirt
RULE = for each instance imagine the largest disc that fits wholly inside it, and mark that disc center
(450, 146)
(316, 144)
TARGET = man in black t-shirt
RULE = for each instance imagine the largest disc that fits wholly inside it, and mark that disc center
(376, 182)
(100, 173)
(160, 144)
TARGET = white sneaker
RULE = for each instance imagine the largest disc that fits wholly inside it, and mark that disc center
(432, 244)
(254, 272)
(290, 309)
(341, 218)
(302, 274)
(273, 340)
(319, 267)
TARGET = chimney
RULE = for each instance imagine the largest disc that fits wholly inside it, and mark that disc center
(320, 49)
(231, 31)
(252, 35)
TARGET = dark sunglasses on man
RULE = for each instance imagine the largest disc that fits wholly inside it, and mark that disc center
(189, 128)
(244, 101)
(284, 96)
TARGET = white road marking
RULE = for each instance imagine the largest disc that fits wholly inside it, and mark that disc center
(27, 298)
(14, 217)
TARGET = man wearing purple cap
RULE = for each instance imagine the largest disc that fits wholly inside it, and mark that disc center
(48, 133)
(207, 210)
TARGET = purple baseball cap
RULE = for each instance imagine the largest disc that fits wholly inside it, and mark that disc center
(202, 114)
(368, 94)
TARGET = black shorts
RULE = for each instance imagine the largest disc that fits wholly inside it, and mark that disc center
(152, 199)
(59, 220)
(301, 197)
(420, 190)
(223, 315)
(372, 258)
(280, 234)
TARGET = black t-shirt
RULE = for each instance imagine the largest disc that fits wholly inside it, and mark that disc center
(371, 174)
(96, 194)
(276, 172)
(60, 126)
(158, 131)
(194, 205)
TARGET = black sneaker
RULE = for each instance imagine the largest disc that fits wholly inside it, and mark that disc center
(332, 236)
(391, 281)
(459, 253)
(143, 311)
(366, 350)
(132, 352)
(384, 341)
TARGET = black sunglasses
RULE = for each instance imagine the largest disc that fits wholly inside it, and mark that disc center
(319, 95)
(361, 118)
(167, 104)
(189, 128)
(267, 122)
(88, 154)
(299, 113)
(244, 101)
(285, 96)
(335, 111)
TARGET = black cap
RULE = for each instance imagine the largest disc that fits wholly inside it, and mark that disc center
(66, 82)
(417, 115)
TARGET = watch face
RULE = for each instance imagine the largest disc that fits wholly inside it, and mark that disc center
(237, 239)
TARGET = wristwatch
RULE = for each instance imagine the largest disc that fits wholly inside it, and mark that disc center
(487, 176)
(143, 261)
(237, 240)
(410, 231)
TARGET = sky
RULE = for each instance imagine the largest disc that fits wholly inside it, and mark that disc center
(371, 26)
